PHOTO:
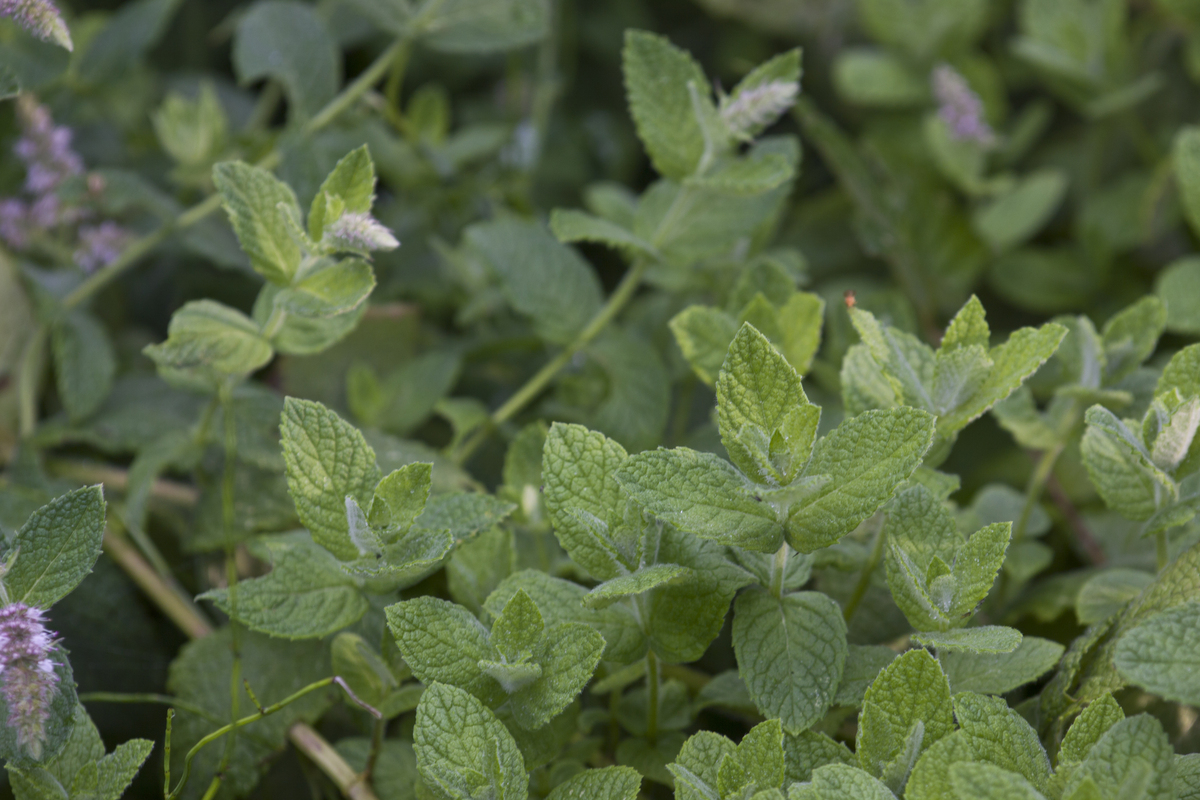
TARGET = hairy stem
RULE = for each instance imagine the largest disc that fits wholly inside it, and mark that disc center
(536, 384)
(653, 677)
(864, 579)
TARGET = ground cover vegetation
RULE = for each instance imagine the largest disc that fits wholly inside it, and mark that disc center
(507, 399)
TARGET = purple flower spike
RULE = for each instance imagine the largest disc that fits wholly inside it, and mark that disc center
(40, 18)
(959, 107)
(30, 682)
(45, 148)
(100, 245)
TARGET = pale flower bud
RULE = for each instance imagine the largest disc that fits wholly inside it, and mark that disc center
(755, 108)
(359, 232)
(40, 18)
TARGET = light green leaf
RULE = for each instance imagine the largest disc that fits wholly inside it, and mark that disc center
(332, 288)
(1178, 287)
(911, 692)
(1182, 372)
(1000, 673)
(464, 514)
(327, 461)
(800, 321)
(866, 457)
(695, 768)
(402, 496)
(541, 278)
(863, 665)
(808, 750)
(207, 336)
(999, 735)
(483, 26)
(118, 768)
(1015, 216)
(1186, 160)
(702, 494)
(875, 78)
(635, 583)
(1130, 336)
(756, 390)
(1187, 776)
(657, 79)
(1120, 467)
(986, 639)
(288, 41)
(568, 656)
(983, 781)
(703, 334)
(35, 783)
(123, 40)
(306, 595)
(1086, 730)
(56, 548)
(251, 197)
(1107, 592)
(84, 363)
(584, 499)
(443, 642)
(352, 181)
(1132, 759)
(838, 781)
(975, 567)
(519, 628)
(606, 783)
(463, 751)
(570, 225)
(1162, 654)
(791, 653)
(746, 176)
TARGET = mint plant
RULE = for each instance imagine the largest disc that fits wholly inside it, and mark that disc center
(535, 400)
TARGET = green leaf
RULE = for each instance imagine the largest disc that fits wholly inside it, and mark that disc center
(363, 670)
(484, 26)
(541, 278)
(863, 665)
(702, 494)
(657, 79)
(1000, 673)
(746, 176)
(330, 289)
(982, 781)
(84, 364)
(570, 225)
(519, 628)
(606, 783)
(837, 781)
(252, 197)
(986, 639)
(327, 461)
(757, 390)
(1130, 336)
(568, 656)
(999, 735)
(878, 79)
(463, 751)
(306, 595)
(1132, 759)
(1182, 372)
(213, 339)
(1160, 654)
(866, 457)
(806, 751)
(289, 42)
(976, 566)
(1178, 287)
(1087, 729)
(443, 642)
(118, 768)
(1017, 215)
(695, 768)
(125, 39)
(791, 652)
(703, 334)
(352, 181)
(1107, 592)
(464, 514)
(910, 693)
(1120, 467)
(1186, 160)
(635, 583)
(402, 496)
(56, 548)
(584, 499)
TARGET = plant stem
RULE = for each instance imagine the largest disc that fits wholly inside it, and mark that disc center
(376, 747)
(1035, 487)
(118, 479)
(1161, 554)
(147, 697)
(652, 680)
(534, 386)
(351, 784)
(143, 245)
(30, 378)
(864, 580)
(778, 568)
(231, 574)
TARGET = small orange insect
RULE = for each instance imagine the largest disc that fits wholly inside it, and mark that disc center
(849, 298)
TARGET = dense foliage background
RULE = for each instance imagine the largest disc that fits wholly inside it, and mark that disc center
(1036, 154)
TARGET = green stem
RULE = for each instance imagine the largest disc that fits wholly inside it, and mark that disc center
(239, 723)
(376, 748)
(231, 576)
(1034, 489)
(147, 697)
(30, 378)
(534, 386)
(652, 681)
(1161, 554)
(142, 246)
(864, 580)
